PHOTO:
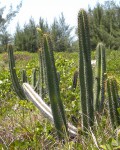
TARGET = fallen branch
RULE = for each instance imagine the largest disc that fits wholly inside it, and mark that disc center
(43, 107)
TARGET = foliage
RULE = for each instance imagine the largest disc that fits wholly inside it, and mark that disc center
(105, 24)
(21, 121)
(92, 123)
(5, 20)
(60, 33)
(26, 39)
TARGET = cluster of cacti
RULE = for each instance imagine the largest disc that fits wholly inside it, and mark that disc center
(113, 102)
(49, 78)
(85, 71)
(100, 77)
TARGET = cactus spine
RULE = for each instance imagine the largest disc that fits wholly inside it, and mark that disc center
(17, 87)
(100, 77)
(53, 89)
(85, 71)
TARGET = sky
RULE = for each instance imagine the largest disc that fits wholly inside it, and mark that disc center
(48, 9)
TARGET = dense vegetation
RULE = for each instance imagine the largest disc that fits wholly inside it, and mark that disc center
(105, 24)
(5, 19)
(21, 124)
(74, 90)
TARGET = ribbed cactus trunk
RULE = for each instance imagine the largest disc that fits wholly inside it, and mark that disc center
(97, 77)
(75, 78)
(100, 77)
(113, 102)
(53, 89)
(23, 76)
(34, 77)
(85, 71)
(42, 67)
(17, 87)
(103, 77)
(42, 73)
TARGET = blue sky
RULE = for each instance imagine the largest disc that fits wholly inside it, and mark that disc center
(48, 9)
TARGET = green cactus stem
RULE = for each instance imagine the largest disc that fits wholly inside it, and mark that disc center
(34, 78)
(53, 89)
(17, 87)
(85, 70)
(75, 78)
(23, 76)
(113, 102)
(42, 74)
(103, 77)
(100, 77)
(110, 103)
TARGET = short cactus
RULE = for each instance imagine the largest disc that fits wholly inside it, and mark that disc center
(23, 75)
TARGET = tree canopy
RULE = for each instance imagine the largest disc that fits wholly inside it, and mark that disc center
(27, 39)
(105, 24)
(5, 20)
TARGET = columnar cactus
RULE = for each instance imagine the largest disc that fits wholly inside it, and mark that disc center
(75, 78)
(17, 87)
(41, 72)
(23, 75)
(100, 77)
(85, 70)
(113, 102)
(53, 89)
(34, 77)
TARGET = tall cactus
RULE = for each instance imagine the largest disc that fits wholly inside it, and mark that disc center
(53, 89)
(17, 87)
(100, 77)
(85, 70)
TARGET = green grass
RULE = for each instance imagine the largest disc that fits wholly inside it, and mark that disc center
(23, 127)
